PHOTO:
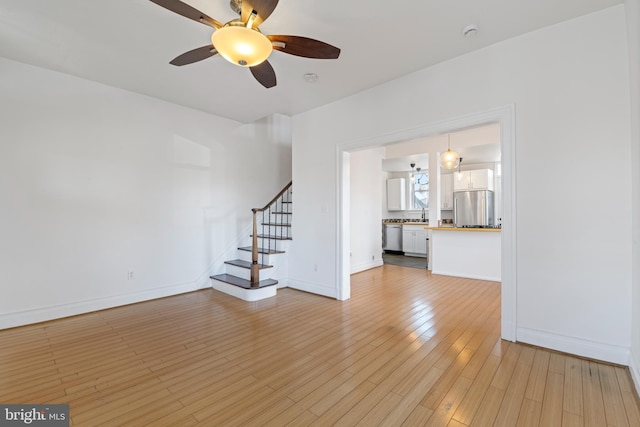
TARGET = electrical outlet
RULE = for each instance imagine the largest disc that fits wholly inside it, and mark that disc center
(130, 275)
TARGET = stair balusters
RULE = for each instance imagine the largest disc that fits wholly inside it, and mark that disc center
(280, 206)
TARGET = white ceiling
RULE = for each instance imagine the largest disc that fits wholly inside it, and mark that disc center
(129, 43)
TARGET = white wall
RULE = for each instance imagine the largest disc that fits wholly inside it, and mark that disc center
(96, 182)
(633, 29)
(366, 216)
(570, 87)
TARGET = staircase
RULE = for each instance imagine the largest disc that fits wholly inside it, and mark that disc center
(246, 276)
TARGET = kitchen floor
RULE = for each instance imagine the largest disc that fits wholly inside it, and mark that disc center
(406, 261)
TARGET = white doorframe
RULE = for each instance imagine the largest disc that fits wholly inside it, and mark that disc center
(505, 117)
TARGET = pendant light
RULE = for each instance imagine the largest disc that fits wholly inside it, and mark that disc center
(449, 159)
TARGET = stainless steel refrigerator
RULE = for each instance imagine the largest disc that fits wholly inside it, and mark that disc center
(473, 208)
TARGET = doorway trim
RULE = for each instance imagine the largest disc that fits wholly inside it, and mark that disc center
(505, 117)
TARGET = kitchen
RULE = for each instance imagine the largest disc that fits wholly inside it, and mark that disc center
(412, 231)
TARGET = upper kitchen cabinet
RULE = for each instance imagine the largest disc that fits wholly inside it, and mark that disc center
(396, 198)
(446, 190)
(479, 179)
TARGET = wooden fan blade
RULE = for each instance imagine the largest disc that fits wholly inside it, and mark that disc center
(195, 55)
(264, 74)
(187, 11)
(304, 46)
(262, 7)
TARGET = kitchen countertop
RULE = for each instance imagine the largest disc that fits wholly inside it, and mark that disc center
(485, 230)
(406, 222)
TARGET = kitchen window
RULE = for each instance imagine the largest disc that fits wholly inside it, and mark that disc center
(419, 190)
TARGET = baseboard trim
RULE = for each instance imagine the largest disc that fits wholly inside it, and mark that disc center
(314, 288)
(27, 317)
(282, 283)
(593, 350)
(634, 368)
(507, 331)
(467, 276)
(366, 266)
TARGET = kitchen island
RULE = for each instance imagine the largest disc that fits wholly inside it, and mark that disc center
(466, 252)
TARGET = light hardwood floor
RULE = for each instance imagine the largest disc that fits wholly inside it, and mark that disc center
(409, 348)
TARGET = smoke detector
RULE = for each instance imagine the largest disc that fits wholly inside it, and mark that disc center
(310, 77)
(470, 30)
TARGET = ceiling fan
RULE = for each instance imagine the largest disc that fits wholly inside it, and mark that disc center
(241, 42)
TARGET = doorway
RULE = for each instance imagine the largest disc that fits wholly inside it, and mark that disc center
(505, 117)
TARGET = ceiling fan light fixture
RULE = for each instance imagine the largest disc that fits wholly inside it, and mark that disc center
(246, 47)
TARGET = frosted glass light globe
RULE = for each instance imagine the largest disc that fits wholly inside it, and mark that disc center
(240, 45)
(449, 159)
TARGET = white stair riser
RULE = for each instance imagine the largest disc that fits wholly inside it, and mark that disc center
(244, 294)
(280, 245)
(240, 272)
(246, 256)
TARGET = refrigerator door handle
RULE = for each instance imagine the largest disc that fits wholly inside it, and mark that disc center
(455, 211)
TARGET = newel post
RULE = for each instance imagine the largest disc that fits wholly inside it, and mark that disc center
(255, 270)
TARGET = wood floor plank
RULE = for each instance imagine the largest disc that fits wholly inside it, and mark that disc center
(570, 419)
(594, 414)
(488, 411)
(443, 413)
(409, 348)
(530, 413)
(573, 395)
(538, 378)
(419, 417)
(514, 395)
(472, 400)
(344, 404)
(629, 397)
(552, 403)
(412, 399)
(612, 396)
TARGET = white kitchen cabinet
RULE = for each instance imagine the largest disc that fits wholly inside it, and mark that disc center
(479, 179)
(396, 199)
(414, 240)
(446, 191)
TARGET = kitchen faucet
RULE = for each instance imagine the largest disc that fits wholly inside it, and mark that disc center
(423, 215)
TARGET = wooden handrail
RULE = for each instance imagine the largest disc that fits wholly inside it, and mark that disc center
(255, 267)
(274, 199)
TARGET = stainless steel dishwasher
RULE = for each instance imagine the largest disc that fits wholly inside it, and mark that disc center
(392, 238)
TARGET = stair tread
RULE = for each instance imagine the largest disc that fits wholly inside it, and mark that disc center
(275, 224)
(262, 250)
(246, 264)
(272, 237)
(243, 283)
(282, 213)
